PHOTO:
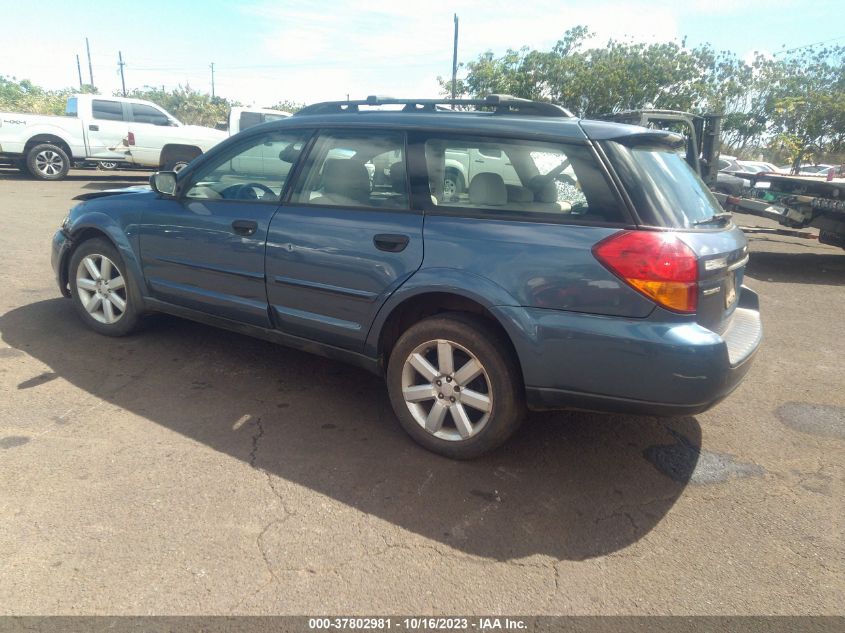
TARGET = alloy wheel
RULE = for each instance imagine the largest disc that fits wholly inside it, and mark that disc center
(101, 288)
(49, 162)
(447, 390)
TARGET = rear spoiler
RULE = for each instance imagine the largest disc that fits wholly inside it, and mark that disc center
(662, 138)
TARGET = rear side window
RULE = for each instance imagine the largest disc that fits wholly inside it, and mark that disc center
(107, 110)
(249, 119)
(528, 180)
(71, 108)
(355, 169)
(663, 187)
(147, 114)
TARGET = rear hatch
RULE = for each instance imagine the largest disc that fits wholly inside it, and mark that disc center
(669, 196)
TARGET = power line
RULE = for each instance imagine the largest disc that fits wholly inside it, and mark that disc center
(798, 48)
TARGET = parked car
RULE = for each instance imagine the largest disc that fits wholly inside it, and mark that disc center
(241, 118)
(99, 128)
(758, 167)
(112, 131)
(607, 279)
(731, 185)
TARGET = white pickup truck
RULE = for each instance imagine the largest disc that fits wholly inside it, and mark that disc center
(108, 130)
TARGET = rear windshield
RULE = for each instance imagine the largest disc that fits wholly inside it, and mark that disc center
(663, 187)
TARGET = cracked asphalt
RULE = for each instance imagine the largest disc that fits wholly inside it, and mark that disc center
(186, 470)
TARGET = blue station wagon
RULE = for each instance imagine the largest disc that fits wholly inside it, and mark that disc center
(486, 260)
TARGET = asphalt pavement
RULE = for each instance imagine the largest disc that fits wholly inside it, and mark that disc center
(187, 470)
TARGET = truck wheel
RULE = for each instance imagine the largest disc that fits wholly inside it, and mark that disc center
(453, 185)
(455, 386)
(177, 166)
(47, 161)
(101, 289)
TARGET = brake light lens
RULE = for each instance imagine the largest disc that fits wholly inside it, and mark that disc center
(657, 264)
(131, 138)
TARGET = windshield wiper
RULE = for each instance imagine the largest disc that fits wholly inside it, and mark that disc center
(716, 218)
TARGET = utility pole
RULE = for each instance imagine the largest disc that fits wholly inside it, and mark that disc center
(121, 64)
(79, 70)
(212, 80)
(90, 68)
(455, 59)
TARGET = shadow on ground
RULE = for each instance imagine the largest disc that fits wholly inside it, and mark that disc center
(81, 175)
(802, 268)
(569, 485)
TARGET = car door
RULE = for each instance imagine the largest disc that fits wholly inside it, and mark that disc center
(204, 249)
(106, 129)
(345, 241)
(152, 128)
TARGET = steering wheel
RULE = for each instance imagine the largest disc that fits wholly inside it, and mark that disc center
(246, 191)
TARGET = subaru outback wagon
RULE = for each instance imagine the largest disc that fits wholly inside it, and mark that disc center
(483, 261)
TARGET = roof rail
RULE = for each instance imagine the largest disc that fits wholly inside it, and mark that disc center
(498, 103)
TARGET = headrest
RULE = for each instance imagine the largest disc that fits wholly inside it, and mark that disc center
(489, 189)
(547, 192)
(519, 194)
(346, 177)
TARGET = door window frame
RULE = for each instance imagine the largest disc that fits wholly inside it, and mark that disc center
(187, 182)
(430, 208)
(308, 157)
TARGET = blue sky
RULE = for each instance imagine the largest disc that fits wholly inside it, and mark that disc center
(311, 50)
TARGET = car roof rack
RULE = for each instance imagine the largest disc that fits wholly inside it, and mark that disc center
(498, 103)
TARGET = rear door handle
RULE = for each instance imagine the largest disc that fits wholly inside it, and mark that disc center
(244, 227)
(390, 242)
(94, 128)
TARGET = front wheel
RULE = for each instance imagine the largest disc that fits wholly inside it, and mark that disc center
(47, 161)
(101, 289)
(455, 386)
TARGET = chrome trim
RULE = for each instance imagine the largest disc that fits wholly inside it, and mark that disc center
(715, 264)
(711, 291)
(742, 262)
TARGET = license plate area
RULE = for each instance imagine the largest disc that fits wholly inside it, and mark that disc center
(730, 290)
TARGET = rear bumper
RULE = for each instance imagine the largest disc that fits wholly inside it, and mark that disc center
(631, 365)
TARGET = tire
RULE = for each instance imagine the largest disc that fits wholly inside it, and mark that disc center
(176, 166)
(116, 310)
(47, 161)
(177, 160)
(453, 184)
(495, 383)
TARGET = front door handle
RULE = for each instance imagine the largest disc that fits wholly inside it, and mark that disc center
(244, 227)
(94, 128)
(390, 242)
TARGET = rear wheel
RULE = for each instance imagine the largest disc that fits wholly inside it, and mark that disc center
(453, 184)
(102, 290)
(47, 161)
(455, 386)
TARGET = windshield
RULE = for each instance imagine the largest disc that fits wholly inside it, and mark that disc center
(663, 187)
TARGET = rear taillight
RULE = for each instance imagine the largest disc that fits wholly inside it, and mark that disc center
(657, 264)
(131, 139)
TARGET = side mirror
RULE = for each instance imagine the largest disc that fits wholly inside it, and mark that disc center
(164, 182)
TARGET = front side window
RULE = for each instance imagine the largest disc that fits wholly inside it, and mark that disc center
(147, 114)
(350, 169)
(107, 110)
(254, 170)
(524, 179)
